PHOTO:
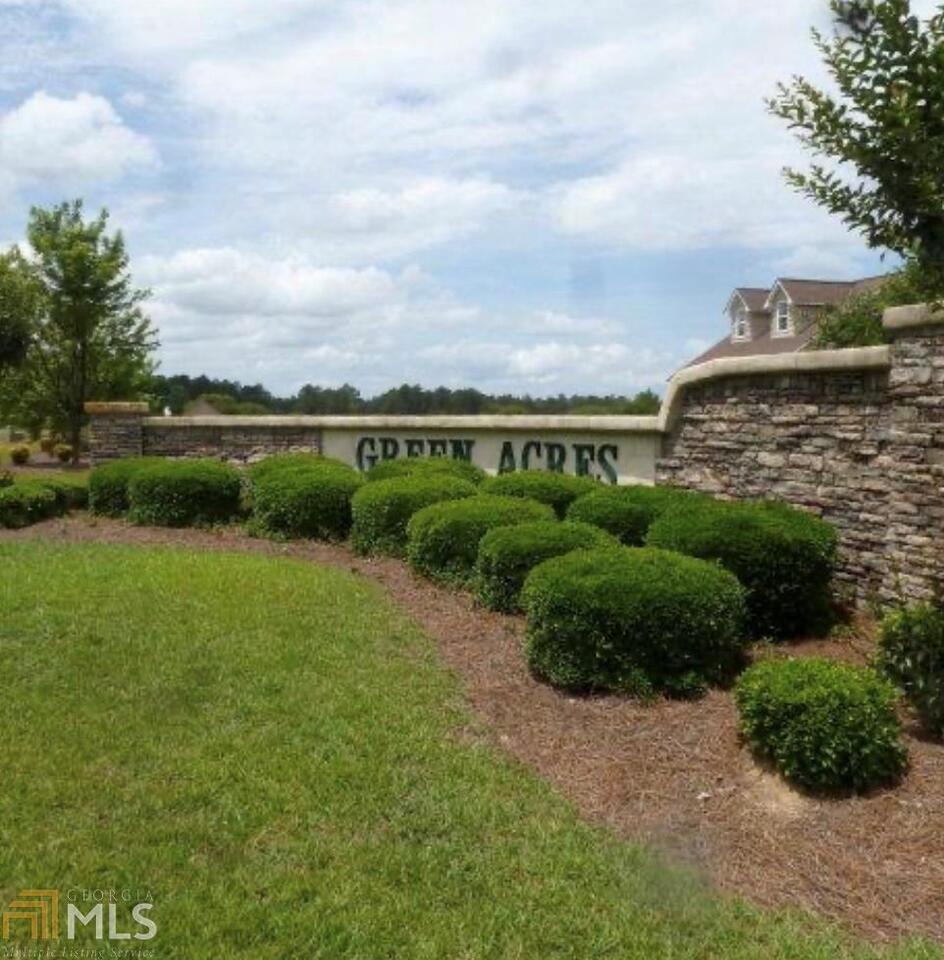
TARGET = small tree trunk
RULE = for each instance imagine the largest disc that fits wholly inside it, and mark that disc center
(75, 434)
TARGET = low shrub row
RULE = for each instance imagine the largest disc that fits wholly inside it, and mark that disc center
(443, 539)
(557, 490)
(506, 556)
(784, 557)
(635, 589)
(635, 619)
(425, 466)
(184, 493)
(627, 512)
(167, 493)
(382, 510)
(27, 500)
(302, 495)
(108, 484)
(825, 725)
(911, 653)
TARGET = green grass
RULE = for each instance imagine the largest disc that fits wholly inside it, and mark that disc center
(276, 753)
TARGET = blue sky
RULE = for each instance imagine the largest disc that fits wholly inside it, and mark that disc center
(517, 196)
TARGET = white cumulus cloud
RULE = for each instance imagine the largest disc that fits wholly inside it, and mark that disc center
(50, 140)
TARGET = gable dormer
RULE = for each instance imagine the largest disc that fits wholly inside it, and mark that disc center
(745, 311)
(780, 306)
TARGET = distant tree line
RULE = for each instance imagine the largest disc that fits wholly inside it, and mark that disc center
(232, 397)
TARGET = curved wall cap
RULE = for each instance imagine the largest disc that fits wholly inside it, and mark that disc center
(591, 424)
(913, 315)
(857, 358)
(104, 408)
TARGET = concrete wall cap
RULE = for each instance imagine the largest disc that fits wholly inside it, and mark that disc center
(595, 424)
(104, 409)
(913, 315)
(857, 358)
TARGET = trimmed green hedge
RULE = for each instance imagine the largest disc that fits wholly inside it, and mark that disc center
(181, 493)
(382, 510)
(71, 490)
(508, 554)
(911, 653)
(557, 490)
(443, 539)
(26, 502)
(634, 619)
(288, 462)
(425, 466)
(826, 725)
(310, 498)
(108, 484)
(627, 512)
(784, 557)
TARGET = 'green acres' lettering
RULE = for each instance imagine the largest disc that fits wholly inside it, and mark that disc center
(582, 459)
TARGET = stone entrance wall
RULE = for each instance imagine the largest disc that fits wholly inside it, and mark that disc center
(863, 447)
(856, 436)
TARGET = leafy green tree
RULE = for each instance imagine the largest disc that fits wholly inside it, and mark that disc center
(19, 307)
(881, 137)
(88, 337)
(857, 322)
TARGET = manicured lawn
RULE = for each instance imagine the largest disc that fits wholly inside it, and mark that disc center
(274, 751)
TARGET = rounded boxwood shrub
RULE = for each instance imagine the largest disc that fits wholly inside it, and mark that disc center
(635, 619)
(626, 512)
(825, 725)
(20, 454)
(443, 539)
(557, 490)
(108, 484)
(508, 554)
(424, 466)
(784, 557)
(282, 462)
(26, 502)
(911, 653)
(382, 510)
(311, 499)
(71, 490)
(181, 493)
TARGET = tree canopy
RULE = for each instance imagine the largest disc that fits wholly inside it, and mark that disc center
(85, 335)
(20, 298)
(879, 139)
(230, 396)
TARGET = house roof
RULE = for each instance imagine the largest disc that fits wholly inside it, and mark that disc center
(802, 293)
(754, 297)
(764, 346)
(810, 293)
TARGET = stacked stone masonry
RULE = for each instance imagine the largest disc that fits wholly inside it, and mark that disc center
(237, 443)
(863, 449)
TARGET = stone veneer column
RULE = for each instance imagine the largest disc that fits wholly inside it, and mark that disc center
(913, 455)
(116, 430)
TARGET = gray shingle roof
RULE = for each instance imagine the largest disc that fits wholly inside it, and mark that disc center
(812, 293)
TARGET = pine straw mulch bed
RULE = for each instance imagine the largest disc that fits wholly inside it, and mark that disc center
(671, 774)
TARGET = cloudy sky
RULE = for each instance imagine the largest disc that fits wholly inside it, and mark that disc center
(519, 196)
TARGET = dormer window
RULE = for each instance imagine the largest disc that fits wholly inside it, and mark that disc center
(783, 318)
(741, 329)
